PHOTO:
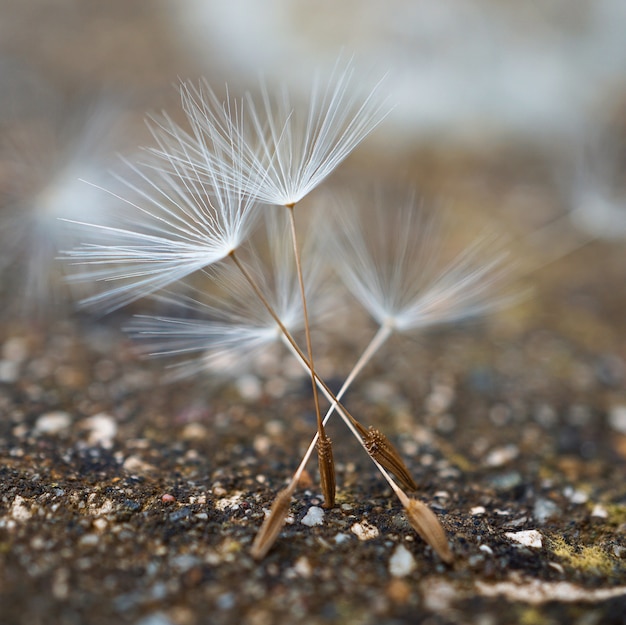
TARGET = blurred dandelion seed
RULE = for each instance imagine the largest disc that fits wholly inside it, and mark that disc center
(46, 157)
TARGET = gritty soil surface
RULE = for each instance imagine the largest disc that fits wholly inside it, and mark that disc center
(127, 500)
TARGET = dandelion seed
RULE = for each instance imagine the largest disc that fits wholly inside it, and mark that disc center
(284, 150)
(225, 324)
(393, 265)
(596, 192)
(178, 222)
(44, 159)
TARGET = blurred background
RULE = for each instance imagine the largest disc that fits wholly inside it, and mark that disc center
(514, 111)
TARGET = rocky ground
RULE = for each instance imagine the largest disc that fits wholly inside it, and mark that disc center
(127, 500)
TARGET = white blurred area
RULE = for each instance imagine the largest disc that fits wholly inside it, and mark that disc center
(479, 76)
(54, 151)
(459, 70)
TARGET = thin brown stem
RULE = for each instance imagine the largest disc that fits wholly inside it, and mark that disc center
(386, 454)
(324, 447)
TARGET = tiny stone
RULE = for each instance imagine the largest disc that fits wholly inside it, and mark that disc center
(314, 516)
(528, 538)
(88, 540)
(619, 551)
(575, 496)
(507, 481)
(226, 601)
(475, 560)
(545, 509)
(501, 456)
(364, 530)
(486, 549)
(167, 498)
(19, 510)
(303, 567)
(15, 349)
(402, 562)
(249, 387)
(440, 399)
(341, 538)
(194, 431)
(600, 511)
(102, 429)
(617, 418)
(53, 422)
(9, 371)
(477, 510)
(229, 503)
(399, 591)
(134, 464)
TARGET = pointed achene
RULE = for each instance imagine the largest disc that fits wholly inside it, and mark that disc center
(273, 523)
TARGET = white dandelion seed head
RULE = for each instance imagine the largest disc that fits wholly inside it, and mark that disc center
(225, 328)
(392, 261)
(277, 150)
(294, 148)
(177, 216)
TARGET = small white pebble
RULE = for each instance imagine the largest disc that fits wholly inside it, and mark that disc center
(195, 431)
(134, 464)
(261, 444)
(528, 538)
(88, 540)
(575, 496)
(19, 510)
(53, 422)
(617, 418)
(365, 530)
(501, 456)
(314, 516)
(15, 349)
(229, 503)
(476, 510)
(486, 549)
(303, 567)
(600, 511)
(249, 387)
(341, 538)
(101, 428)
(402, 562)
(9, 371)
(439, 399)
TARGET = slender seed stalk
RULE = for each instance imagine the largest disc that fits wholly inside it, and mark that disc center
(374, 345)
(275, 520)
(358, 430)
(373, 441)
(324, 447)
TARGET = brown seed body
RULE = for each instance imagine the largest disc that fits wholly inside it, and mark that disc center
(272, 525)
